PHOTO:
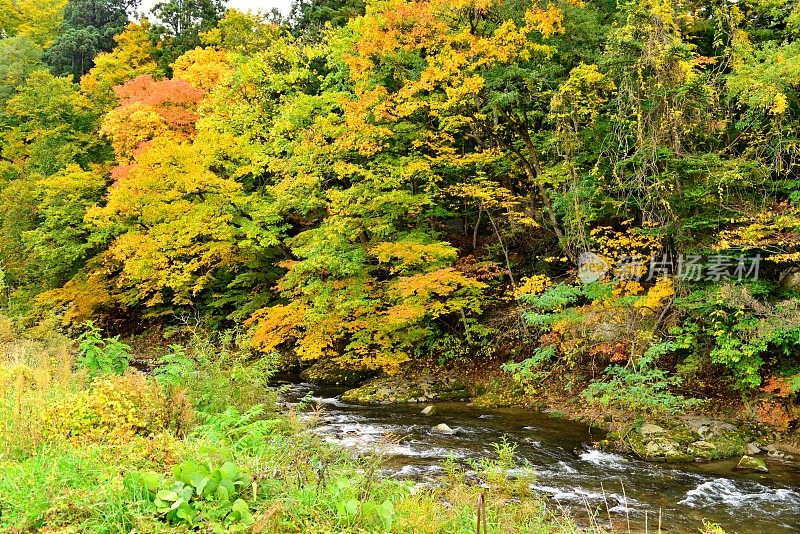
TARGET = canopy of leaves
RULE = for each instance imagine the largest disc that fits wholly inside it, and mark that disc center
(382, 182)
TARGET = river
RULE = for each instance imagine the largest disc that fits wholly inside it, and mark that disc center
(573, 474)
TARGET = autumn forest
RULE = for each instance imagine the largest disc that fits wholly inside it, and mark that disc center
(593, 196)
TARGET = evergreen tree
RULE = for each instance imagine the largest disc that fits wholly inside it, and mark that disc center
(88, 29)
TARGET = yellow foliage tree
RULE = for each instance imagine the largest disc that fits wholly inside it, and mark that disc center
(38, 20)
(132, 56)
(170, 224)
(204, 68)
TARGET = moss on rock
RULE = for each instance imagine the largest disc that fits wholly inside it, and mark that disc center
(751, 463)
(395, 390)
(677, 441)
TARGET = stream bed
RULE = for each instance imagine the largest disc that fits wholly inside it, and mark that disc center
(574, 475)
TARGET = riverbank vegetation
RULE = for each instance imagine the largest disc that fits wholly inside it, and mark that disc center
(92, 445)
(600, 195)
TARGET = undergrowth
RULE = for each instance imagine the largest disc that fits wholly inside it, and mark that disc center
(89, 445)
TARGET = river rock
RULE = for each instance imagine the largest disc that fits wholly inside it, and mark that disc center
(442, 428)
(791, 280)
(753, 448)
(399, 389)
(687, 439)
(707, 428)
(662, 448)
(653, 449)
(428, 410)
(752, 464)
(649, 429)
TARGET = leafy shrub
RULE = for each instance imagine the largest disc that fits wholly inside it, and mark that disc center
(641, 387)
(475, 342)
(115, 408)
(496, 471)
(741, 329)
(101, 356)
(595, 324)
(528, 373)
(175, 366)
(246, 431)
(200, 491)
(231, 374)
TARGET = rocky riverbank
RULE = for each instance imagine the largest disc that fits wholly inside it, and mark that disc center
(683, 440)
(694, 438)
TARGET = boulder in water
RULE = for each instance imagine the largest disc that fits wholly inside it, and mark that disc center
(400, 389)
(687, 439)
(428, 410)
(751, 463)
(442, 428)
(662, 448)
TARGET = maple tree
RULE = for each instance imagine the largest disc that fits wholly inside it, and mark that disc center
(133, 56)
(149, 109)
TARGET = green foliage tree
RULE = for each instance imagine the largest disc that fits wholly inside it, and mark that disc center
(58, 245)
(179, 25)
(19, 57)
(309, 17)
(88, 28)
(47, 125)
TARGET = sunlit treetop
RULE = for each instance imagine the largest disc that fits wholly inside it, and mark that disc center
(38, 20)
(204, 68)
(243, 33)
(149, 109)
(133, 56)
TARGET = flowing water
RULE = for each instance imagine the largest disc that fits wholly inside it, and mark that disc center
(574, 475)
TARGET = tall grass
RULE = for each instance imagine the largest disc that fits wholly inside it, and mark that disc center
(34, 376)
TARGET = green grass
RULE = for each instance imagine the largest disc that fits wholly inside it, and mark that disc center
(63, 486)
(301, 485)
(128, 457)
